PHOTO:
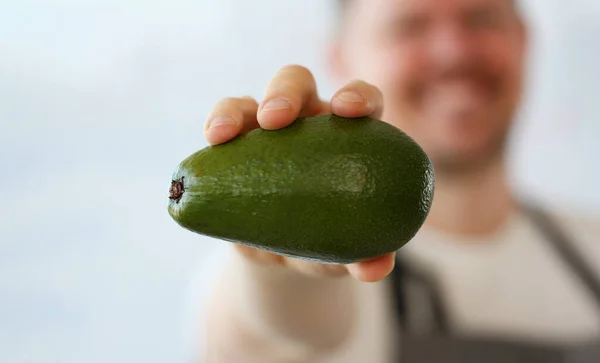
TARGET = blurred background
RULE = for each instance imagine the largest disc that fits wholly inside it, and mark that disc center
(99, 100)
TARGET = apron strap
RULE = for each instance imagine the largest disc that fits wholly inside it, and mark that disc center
(408, 281)
(403, 274)
(563, 245)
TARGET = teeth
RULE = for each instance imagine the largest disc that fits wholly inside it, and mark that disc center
(453, 99)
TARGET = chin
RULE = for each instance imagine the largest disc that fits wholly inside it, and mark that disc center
(465, 157)
(458, 142)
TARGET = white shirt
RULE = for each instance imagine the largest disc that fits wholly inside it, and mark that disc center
(511, 283)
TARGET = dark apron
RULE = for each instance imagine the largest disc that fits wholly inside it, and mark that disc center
(426, 337)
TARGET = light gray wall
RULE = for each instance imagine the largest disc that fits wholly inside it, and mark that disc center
(100, 99)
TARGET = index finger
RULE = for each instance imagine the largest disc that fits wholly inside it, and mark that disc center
(291, 93)
(356, 99)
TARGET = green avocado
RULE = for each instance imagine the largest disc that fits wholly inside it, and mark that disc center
(326, 189)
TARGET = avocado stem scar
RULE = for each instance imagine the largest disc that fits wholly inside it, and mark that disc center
(177, 189)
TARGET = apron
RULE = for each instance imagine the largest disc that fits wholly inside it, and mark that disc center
(425, 333)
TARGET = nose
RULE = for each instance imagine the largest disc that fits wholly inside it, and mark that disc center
(450, 46)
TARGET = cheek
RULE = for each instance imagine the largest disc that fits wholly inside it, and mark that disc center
(385, 66)
(397, 76)
(505, 60)
(508, 66)
(399, 68)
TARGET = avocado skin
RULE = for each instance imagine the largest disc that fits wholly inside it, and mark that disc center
(326, 189)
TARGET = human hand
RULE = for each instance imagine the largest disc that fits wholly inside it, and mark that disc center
(290, 94)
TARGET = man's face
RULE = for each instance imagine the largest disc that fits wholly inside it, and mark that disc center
(450, 71)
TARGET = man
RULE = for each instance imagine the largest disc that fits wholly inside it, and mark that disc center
(449, 73)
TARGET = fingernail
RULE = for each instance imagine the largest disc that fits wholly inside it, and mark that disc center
(279, 103)
(221, 120)
(351, 97)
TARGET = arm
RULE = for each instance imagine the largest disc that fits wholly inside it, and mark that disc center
(269, 311)
(240, 328)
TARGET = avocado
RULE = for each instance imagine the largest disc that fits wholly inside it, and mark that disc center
(326, 189)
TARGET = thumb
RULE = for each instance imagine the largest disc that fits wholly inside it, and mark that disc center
(374, 269)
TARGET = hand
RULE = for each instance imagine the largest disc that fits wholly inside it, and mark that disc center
(292, 93)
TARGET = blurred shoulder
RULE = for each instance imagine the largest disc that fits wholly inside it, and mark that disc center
(583, 228)
(579, 223)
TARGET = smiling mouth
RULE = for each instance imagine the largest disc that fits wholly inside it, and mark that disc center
(449, 99)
